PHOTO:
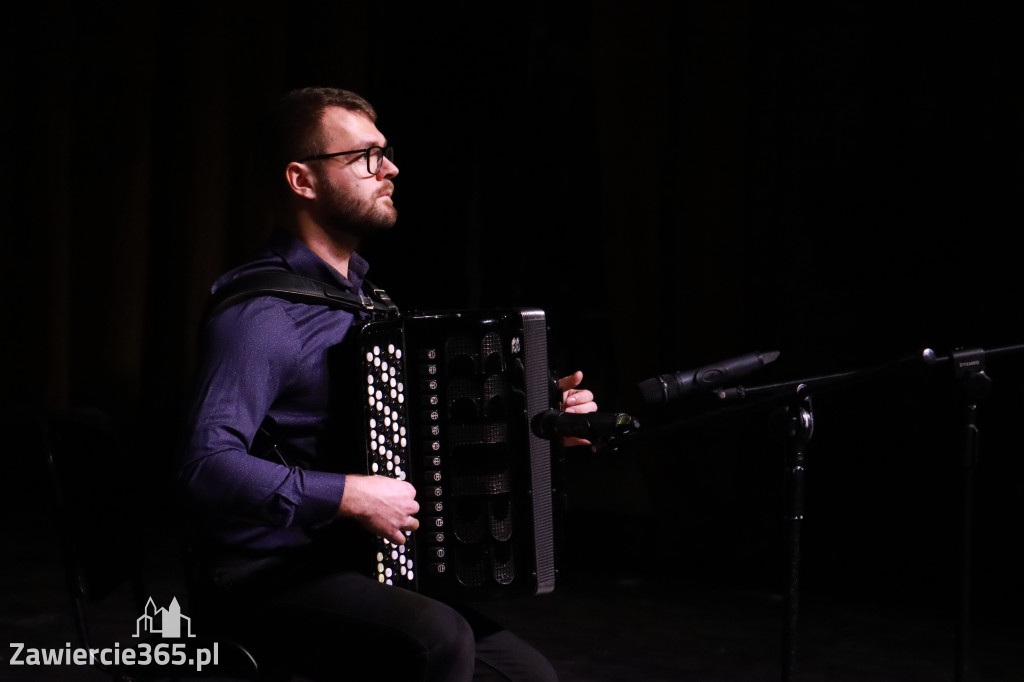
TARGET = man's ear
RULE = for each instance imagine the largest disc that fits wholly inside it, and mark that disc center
(301, 179)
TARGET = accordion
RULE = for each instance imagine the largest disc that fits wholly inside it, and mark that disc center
(447, 402)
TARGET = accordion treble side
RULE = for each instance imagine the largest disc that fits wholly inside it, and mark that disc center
(447, 403)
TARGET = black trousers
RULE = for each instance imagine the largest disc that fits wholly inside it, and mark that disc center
(301, 616)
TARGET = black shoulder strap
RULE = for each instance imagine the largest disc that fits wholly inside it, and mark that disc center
(293, 287)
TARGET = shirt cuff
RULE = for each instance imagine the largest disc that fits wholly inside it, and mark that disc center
(322, 493)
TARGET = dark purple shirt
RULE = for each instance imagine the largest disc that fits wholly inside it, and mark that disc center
(263, 362)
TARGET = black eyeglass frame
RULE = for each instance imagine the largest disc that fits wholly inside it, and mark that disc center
(386, 152)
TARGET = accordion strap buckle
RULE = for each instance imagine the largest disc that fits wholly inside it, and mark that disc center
(392, 309)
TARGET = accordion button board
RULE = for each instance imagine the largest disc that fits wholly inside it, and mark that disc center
(448, 402)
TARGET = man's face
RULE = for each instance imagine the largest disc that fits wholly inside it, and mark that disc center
(348, 198)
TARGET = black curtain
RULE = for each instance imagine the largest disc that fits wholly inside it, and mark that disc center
(674, 183)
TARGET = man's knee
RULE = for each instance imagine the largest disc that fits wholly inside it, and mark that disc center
(503, 656)
(447, 641)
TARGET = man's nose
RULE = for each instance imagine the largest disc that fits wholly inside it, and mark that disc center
(388, 169)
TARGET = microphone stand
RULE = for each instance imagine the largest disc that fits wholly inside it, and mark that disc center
(799, 429)
(975, 385)
(969, 369)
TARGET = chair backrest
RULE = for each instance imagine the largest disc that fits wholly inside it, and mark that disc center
(98, 509)
(100, 503)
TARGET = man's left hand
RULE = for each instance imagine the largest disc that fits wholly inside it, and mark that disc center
(575, 400)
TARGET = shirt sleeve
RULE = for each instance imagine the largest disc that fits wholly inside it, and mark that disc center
(247, 355)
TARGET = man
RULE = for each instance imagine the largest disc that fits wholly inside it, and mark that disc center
(262, 391)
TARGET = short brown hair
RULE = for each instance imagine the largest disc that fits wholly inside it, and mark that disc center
(292, 130)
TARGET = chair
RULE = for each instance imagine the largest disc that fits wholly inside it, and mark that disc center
(100, 506)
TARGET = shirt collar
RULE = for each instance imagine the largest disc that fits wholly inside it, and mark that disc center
(301, 260)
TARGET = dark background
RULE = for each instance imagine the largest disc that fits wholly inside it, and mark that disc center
(674, 183)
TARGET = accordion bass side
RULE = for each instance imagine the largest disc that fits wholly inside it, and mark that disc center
(448, 399)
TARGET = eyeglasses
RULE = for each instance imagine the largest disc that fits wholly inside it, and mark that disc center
(374, 157)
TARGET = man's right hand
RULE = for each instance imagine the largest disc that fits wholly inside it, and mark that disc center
(384, 506)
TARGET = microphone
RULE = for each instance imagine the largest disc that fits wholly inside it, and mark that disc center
(666, 387)
(554, 425)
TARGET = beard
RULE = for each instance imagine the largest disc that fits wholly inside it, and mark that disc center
(349, 214)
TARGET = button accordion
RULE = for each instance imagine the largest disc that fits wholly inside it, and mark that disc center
(447, 402)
